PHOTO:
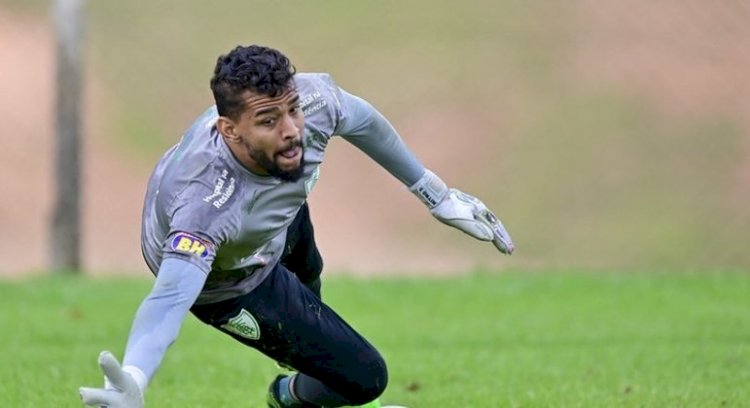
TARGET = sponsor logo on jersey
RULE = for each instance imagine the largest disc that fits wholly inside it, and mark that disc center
(309, 99)
(243, 325)
(223, 190)
(312, 103)
(190, 244)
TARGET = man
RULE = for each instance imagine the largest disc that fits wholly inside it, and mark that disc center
(227, 232)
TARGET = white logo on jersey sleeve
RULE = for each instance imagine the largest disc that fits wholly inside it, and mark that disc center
(312, 103)
(221, 194)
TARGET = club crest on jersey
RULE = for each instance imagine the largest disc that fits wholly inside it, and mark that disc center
(190, 245)
(314, 176)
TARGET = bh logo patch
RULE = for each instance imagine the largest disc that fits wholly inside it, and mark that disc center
(189, 244)
(243, 325)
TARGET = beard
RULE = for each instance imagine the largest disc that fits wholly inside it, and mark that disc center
(269, 164)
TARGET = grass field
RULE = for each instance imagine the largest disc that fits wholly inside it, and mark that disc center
(558, 339)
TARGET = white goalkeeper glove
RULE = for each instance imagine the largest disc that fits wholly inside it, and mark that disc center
(123, 385)
(462, 211)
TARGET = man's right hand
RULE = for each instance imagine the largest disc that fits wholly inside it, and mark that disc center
(123, 385)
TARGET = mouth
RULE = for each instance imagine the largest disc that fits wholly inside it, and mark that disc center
(290, 156)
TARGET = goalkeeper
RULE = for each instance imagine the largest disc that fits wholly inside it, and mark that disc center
(226, 231)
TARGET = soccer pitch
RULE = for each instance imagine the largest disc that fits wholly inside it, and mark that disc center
(558, 339)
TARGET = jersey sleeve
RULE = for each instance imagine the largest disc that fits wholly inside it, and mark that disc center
(320, 104)
(158, 320)
(367, 129)
(197, 228)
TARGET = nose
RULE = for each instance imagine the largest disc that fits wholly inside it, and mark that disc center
(288, 128)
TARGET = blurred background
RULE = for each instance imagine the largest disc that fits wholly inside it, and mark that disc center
(606, 135)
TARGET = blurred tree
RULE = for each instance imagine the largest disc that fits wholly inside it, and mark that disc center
(66, 226)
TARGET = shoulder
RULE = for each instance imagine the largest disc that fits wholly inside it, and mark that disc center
(314, 82)
(200, 187)
(210, 189)
(319, 96)
(208, 204)
(320, 102)
(196, 148)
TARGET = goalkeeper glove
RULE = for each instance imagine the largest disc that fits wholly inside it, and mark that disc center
(462, 211)
(123, 385)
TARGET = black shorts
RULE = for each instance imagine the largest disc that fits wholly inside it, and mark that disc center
(287, 322)
(301, 255)
(285, 319)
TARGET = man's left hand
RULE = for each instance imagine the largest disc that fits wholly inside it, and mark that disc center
(470, 215)
(462, 211)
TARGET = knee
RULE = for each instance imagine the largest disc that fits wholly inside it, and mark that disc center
(369, 382)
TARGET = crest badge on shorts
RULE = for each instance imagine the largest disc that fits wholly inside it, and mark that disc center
(243, 325)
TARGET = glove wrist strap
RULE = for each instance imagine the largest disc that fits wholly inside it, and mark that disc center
(430, 189)
(138, 376)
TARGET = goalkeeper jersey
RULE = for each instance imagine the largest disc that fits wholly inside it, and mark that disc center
(204, 207)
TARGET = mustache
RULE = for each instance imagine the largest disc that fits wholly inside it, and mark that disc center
(293, 144)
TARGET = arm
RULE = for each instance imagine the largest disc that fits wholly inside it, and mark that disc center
(363, 126)
(155, 327)
(367, 129)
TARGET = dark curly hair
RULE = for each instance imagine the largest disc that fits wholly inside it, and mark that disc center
(255, 68)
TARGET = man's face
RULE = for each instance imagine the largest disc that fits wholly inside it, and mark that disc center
(268, 135)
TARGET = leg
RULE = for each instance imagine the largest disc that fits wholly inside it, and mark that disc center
(301, 255)
(337, 365)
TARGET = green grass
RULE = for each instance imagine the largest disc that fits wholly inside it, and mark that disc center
(559, 339)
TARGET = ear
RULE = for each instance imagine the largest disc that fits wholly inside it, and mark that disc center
(228, 129)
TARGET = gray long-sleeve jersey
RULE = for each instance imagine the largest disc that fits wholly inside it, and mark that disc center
(205, 212)
(204, 207)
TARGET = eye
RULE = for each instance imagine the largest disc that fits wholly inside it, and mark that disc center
(294, 110)
(269, 122)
